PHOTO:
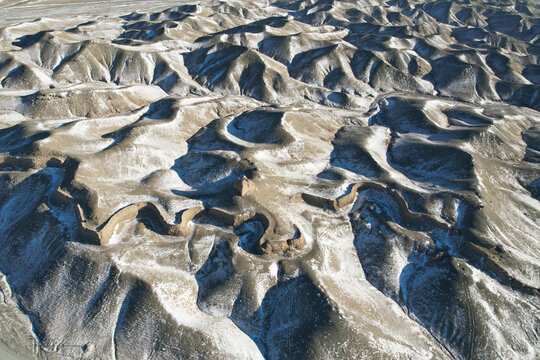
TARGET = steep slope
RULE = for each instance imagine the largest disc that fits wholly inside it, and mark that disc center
(311, 179)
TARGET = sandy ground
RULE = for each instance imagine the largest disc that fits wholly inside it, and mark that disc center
(9, 354)
(18, 11)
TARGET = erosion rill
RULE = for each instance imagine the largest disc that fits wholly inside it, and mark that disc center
(280, 180)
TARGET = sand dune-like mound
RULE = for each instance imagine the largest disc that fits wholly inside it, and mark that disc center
(310, 179)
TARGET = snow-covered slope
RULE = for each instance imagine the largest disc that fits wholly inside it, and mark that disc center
(282, 180)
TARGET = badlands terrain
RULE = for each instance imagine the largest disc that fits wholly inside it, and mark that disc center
(270, 180)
